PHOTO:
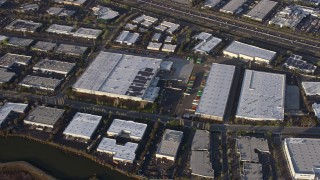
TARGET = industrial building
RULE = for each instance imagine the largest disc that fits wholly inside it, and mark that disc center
(262, 96)
(46, 65)
(121, 76)
(20, 42)
(9, 59)
(71, 2)
(104, 13)
(211, 3)
(27, 7)
(247, 147)
(82, 125)
(215, 95)
(233, 6)
(6, 76)
(169, 144)
(128, 38)
(42, 83)
(207, 44)
(311, 88)
(261, 10)
(130, 26)
(71, 50)
(303, 158)
(62, 12)
(44, 116)
(200, 164)
(145, 18)
(241, 50)
(252, 171)
(9, 107)
(156, 37)
(87, 33)
(295, 62)
(169, 27)
(44, 46)
(133, 129)
(316, 110)
(23, 26)
(60, 29)
(154, 46)
(168, 39)
(124, 153)
(169, 47)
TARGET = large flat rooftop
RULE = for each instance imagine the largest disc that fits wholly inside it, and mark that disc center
(125, 153)
(39, 82)
(119, 75)
(169, 144)
(20, 42)
(311, 88)
(104, 12)
(215, 95)
(44, 46)
(201, 140)
(200, 164)
(262, 9)
(54, 66)
(134, 129)
(262, 96)
(6, 76)
(255, 52)
(10, 59)
(87, 33)
(82, 125)
(247, 147)
(23, 25)
(252, 171)
(9, 107)
(44, 116)
(60, 29)
(232, 6)
(207, 45)
(303, 154)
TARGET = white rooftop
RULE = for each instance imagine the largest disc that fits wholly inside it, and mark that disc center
(104, 12)
(170, 143)
(127, 37)
(62, 29)
(119, 74)
(303, 154)
(82, 125)
(143, 17)
(11, 107)
(207, 45)
(316, 109)
(215, 95)
(262, 96)
(87, 32)
(122, 153)
(134, 129)
(311, 88)
(237, 47)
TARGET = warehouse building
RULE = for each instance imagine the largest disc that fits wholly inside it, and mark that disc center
(20, 42)
(261, 10)
(241, 50)
(128, 38)
(169, 47)
(233, 6)
(71, 50)
(262, 96)
(215, 95)
(43, 83)
(9, 59)
(168, 26)
(71, 2)
(9, 107)
(6, 76)
(44, 46)
(169, 144)
(3, 38)
(311, 88)
(23, 26)
(247, 147)
(156, 37)
(60, 29)
(200, 164)
(82, 125)
(154, 46)
(27, 7)
(46, 65)
(104, 13)
(133, 129)
(316, 110)
(144, 18)
(303, 157)
(87, 33)
(121, 76)
(252, 171)
(168, 39)
(44, 116)
(207, 44)
(211, 3)
(295, 62)
(124, 153)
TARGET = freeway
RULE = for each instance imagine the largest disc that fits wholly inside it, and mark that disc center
(84, 106)
(270, 35)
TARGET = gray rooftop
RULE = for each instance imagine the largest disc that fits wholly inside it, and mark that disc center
(252, 171)
(215, 95)
(201, 140)
(311, 88)
(207, 45)
(54, 66)
(247, 145)
(262, 9)
(135, 130)
(237, 47)
(170, 143)
(44, 115)
(40, 82)
(44, 46)
(9, 59)
(71, 49)
(233, 6)
(19, 42)
(5, 76)
(23, 25)
(200, 164)
(9, 107)
(104, 12)
(262, 96)
(304, 154)
(211, 3)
